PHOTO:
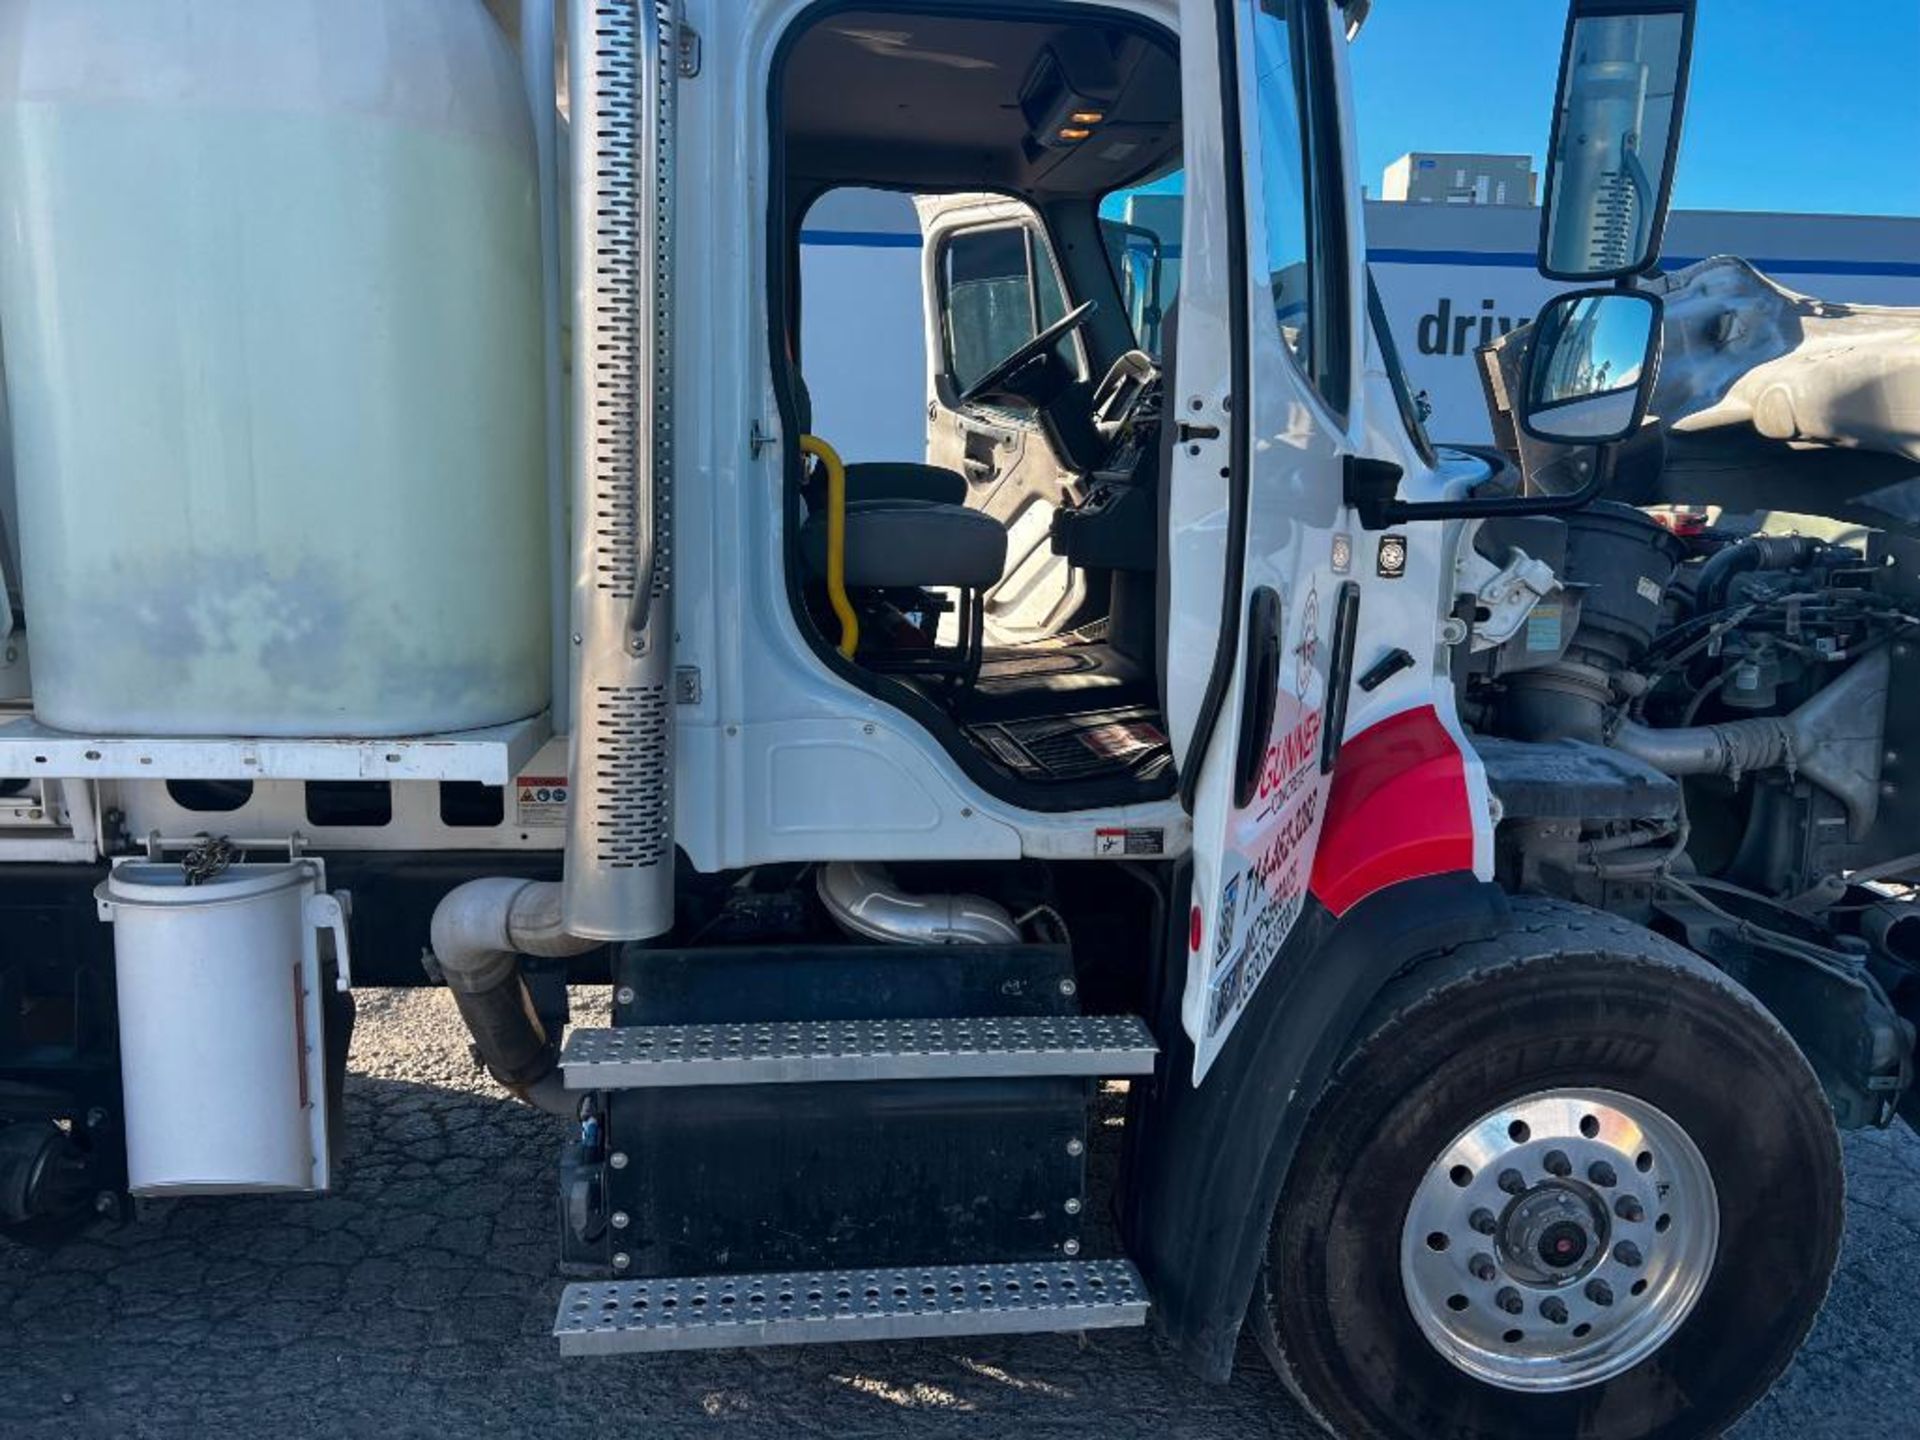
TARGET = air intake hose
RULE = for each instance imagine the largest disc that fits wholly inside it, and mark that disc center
(1836, 740)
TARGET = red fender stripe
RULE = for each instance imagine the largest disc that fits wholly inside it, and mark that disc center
(1397, 810)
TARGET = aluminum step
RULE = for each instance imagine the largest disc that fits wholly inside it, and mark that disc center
(800, 1052)
(617, 1317)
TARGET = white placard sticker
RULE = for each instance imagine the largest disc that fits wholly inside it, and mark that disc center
(541, 801)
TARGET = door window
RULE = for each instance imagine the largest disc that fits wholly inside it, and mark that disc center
(1305, 258)
(999, 289)
(1141, 228)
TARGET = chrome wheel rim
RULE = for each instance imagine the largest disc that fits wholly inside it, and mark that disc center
(1560, 1239)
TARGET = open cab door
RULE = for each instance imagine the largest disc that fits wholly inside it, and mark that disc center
(1260, 600)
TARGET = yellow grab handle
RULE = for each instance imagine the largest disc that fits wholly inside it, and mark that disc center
(836, 540)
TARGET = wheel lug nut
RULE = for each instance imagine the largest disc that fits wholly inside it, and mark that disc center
(1629, 1209)
(1512, 1181)
(1602, 1174)
(1509, 1300)
(1481, 1267)
(1553, 1309)
(1628, 1254)
(1556, 1163)
(1483, 1221)
(1599, 1292)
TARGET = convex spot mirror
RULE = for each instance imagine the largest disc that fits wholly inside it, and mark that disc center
(1616, 133)
(1591, 367)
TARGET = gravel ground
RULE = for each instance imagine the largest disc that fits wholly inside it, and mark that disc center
(416, 1300)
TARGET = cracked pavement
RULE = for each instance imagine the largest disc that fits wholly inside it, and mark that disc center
(416, 1300)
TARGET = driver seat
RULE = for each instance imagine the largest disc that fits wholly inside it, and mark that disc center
(903, 535)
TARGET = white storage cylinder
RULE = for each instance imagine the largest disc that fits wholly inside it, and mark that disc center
(221, 1052)
(270, 297)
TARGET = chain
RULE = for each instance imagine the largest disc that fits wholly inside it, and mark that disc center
(207, 859)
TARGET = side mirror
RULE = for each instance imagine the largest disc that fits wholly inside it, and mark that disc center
(1138, 266)
(1591, 367)
(1591, 361)
(1616, 134)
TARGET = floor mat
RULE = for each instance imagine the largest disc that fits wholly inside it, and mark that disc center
(1097, 744)
(1019, 665)
(1021, 682)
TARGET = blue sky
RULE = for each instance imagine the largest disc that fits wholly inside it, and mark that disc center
(1808, 105)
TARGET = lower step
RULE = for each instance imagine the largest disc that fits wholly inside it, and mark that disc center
(616, 1317)
(814, 1051)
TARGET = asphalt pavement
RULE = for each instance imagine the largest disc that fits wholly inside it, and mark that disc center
(416, 1300)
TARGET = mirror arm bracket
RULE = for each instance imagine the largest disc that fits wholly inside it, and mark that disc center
(1370, 485)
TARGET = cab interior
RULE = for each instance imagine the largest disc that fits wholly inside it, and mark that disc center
(1003, 581)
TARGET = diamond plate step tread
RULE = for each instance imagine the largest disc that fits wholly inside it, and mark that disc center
(617, 1317)
(637, 1056)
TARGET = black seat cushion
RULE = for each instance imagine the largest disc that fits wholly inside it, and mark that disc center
(878, 479)
(907, 544)
(904, 480)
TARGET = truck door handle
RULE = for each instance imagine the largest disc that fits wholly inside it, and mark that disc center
(1259, 694)
(1346, 629)
(976, 469)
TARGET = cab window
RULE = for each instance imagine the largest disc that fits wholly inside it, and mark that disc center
(999, 289)
(1305, 254)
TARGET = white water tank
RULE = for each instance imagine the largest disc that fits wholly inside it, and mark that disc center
(269, 297)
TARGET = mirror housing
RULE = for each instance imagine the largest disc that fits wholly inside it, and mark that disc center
(1616, 137)
(1591, 367)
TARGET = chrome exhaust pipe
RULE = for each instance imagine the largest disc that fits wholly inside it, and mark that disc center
(480, 931)
(864, 901)
(621, 67)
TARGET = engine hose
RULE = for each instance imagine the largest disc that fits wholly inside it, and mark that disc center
(1756, 552)
(1836, 739)
(1737, 747)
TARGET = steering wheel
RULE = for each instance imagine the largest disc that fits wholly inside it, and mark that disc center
(998, 376)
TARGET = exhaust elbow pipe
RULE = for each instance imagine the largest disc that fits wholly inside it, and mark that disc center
(480, 931)
(864, 900)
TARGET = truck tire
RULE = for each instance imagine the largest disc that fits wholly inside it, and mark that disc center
(1570, 1180)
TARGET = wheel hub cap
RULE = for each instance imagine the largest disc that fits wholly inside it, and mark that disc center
(1553, 1233)
(1560, 1239)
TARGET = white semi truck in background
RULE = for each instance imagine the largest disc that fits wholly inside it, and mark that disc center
(1487, 874)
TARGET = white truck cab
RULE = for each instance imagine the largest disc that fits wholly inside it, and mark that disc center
(1163, 717)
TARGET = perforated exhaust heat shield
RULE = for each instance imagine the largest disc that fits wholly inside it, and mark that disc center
(621, 76)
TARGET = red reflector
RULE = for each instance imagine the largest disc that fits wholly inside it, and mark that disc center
(1194, 927)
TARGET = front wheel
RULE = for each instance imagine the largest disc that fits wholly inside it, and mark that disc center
(1572, 1180)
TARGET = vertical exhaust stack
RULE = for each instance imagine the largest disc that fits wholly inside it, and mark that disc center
(621, 71)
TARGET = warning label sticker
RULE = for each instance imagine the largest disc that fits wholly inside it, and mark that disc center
(1139, 840)
(541, 801)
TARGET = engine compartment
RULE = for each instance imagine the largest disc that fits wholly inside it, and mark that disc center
(1726, 711)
